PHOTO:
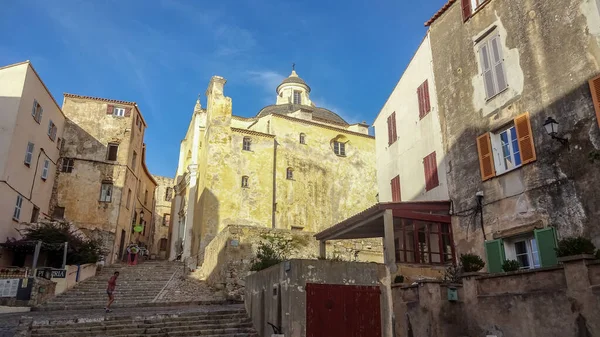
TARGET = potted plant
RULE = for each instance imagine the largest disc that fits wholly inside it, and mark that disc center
(575, 248)
(471, 263)
(511, 265)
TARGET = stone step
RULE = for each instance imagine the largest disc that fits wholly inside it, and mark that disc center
(122, 304)
(146, 327)
(187, 331)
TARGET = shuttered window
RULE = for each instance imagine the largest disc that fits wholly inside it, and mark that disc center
(503, 151)
(466, 9)
(546, 242)
(395, 185)
(494, 252)
(595, 90)
(492, 65)
(391, 124)
(424, 101)
(431, 172)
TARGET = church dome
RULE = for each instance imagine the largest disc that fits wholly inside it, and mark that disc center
(293, 79)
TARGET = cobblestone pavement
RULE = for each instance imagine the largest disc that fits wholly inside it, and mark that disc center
(9, 322)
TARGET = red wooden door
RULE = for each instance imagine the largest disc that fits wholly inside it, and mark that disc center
(342, 311)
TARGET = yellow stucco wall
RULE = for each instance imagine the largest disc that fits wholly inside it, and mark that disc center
(162, 208)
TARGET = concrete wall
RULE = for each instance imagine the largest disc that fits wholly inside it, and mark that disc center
(75, 274)
(20, 86)
(89, 131)
(263, 307)
(547, 302)
(548, 64)
(417, 138)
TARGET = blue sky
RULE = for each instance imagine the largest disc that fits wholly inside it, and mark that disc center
(162, 53)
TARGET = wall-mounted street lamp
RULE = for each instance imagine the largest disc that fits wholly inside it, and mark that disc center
(552, 128)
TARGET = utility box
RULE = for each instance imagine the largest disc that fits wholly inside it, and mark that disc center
(452, 294)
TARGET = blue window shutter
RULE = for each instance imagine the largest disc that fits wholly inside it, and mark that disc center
(494, 251)
(546, 242)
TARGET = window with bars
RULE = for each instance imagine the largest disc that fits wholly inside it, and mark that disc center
(67, 165)
(424, 242)
(246, 144)
(339, 148)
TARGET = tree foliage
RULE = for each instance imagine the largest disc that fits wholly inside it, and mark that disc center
(274, 249)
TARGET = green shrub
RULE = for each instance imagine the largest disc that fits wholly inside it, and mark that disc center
(399, 279)
(274, 249)
(266, 256)
(471, 263)
(575, 246)
(511, 265)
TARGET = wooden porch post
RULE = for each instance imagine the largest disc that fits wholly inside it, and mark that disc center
(323, 249)
(389, 247)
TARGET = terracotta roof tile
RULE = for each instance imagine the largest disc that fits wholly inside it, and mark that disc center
(99, 99)
(440, 12)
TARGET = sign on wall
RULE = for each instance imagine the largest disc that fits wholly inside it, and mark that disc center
(9, 287)
(56, 273)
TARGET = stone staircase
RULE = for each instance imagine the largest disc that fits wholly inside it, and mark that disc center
(136, 285)
(231, 322)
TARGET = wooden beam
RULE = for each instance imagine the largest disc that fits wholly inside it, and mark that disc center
(422, 216)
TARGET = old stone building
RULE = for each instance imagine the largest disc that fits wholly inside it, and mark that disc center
(503, 71)
(293, 166)
(162, 216)
(103, 185)
(31, 128)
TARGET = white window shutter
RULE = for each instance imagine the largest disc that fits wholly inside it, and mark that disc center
(487, 74)
(498, 63)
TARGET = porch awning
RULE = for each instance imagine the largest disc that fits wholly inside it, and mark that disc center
(369, 223)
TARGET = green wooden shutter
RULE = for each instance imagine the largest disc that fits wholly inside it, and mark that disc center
(546, 242)
(494, 251)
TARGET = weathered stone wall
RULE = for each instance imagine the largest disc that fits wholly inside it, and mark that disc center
(229, 256)
(547, 302)
(286, 305)
(549, 57)
(161, 208)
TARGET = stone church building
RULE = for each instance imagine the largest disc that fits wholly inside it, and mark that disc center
(293, 166)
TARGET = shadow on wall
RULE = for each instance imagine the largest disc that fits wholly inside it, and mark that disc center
(559, 188)
(206, 223)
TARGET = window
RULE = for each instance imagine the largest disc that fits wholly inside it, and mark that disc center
(146, 197)
(58, 213)
(391, 125)
(128, 198)
(168, 194)
(106, 192)
(339, 148)
(133, 160)
(245, 181)
(166, 219)
(246, 144)
(470, 6)
(18, 205)
(492, 65)
(424, 103)
(289, 173)
(35, 214)
(119, 112)
(37, 111)
(163, 244)
(506, 149)
(396, 192)
(431, 172)
(29, 153)
(52, 130)
(302, 138)
(113, 149)
(424, 242)
(531, 250)
(67, 165)
(297, 97)
(138, 122)
(45, 169)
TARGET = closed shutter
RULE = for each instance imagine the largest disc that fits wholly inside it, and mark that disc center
(431, 173)
(466, 9)
(546, 243)
(109, 109)
(525, 138)
(498, 63)
(420, 97)
(394, 134)
(33, 109)
(487, 71)
(127, 112)
(595, 89)
(389, 126)
(426, 98)
(486, 160)
(494, 252)
(395, 185)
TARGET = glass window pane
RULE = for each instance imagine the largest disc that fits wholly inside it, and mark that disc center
(434, 239)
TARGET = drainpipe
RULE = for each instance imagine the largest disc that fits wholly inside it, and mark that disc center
(273, 224)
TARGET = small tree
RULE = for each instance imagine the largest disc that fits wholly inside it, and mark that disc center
(575, 246)
(471, 263)
(511, 265)
(273, 249)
